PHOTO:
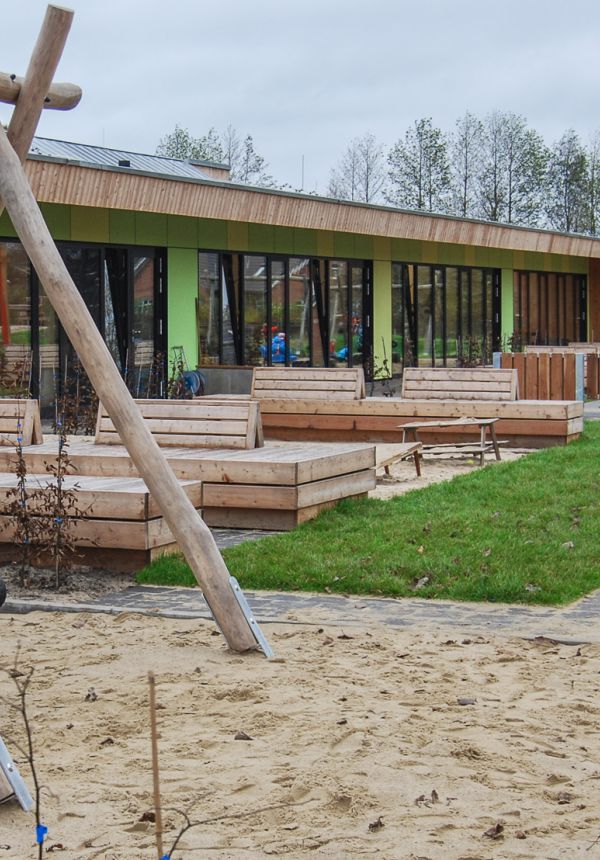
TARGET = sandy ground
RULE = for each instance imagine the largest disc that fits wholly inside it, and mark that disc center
(371, 742)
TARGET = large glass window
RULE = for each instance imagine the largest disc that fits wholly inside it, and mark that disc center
(298, 311)
(15, 317)
(549, 308)
(443, 315)
(123, 291)
(255, 310)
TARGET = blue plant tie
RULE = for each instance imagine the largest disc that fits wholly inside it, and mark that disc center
(165, 857)
(58, 520)
(40, 832)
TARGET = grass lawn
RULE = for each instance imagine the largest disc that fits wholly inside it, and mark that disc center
(521, 532)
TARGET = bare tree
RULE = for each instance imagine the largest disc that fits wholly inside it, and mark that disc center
(360, 174)
(465, 164)
(593, 184)
(419, 169)
(566, 203)
(246, 165)
(513, 169)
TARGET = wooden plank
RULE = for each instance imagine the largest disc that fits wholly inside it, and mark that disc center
(100, 498)
(544, 376)
(128, 535)
(531, 377)
(248, 518)
(395, 406)
(593, 376)
(556, 377)
(569, 388)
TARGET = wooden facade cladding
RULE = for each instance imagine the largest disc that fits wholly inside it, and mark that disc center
(77, 185)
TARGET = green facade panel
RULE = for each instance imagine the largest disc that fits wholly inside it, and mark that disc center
(212, 234)
(343, 245)
(121, 227)
(237, 236)
(182, 232)
(151, 229)
(305, 242)
(382, 312)
(507, 309)
(182, 292)
(382, 248)
(363, 247)
(325, 243)
(58, 220)
(90, 225)
(6, 227)
(283, 240)
(261, 238)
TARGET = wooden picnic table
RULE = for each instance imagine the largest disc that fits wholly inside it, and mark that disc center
(481, 449)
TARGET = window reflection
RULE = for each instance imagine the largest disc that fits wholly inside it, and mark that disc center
(293, 310)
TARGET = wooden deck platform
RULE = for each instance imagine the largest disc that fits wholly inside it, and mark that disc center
(118, 522)
(274, 487)
(523, 423)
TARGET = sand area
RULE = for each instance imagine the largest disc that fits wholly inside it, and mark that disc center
(424, 744)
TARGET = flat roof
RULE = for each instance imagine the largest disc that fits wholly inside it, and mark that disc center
(173, 187)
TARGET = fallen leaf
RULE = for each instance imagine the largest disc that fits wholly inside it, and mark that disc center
(241, 736)
(376, 825)
(466, 701)
(495, 832)
(148, 815)
(91, 695)
(435, 798)
(520, 834)
(568, 545)
(487, 552)
(421, 550)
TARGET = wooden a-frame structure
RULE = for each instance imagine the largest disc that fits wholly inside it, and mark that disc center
(30, 96)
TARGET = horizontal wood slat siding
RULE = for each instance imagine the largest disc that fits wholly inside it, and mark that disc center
(75, 185)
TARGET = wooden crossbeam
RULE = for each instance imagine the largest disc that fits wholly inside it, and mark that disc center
(60, 96)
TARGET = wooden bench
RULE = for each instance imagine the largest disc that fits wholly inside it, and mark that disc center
(20, 417)
(477, 383)
(120, 526)
(193, 423)
(387, 455)
(480, 449)
(322, 383)
(443, 395)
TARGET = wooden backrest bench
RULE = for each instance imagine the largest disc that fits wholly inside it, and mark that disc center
(473, 383)
(314, 383)
(20, 417)
(202, 423)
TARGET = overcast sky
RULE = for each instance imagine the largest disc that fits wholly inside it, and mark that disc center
(306, 76)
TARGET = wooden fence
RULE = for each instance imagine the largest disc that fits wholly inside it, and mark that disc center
(549, 373)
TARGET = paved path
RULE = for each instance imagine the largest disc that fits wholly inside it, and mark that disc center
(576, 623)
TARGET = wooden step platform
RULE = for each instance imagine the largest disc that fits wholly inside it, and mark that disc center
(118, 521)
(524, 423)
(274, 487)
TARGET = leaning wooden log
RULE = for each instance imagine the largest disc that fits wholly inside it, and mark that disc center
(38, 78)
(60, 96)
(193, 536)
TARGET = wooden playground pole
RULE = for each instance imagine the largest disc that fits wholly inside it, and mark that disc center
(38, 78)
(193, 536)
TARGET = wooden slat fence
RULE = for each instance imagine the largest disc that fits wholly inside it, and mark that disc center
(550, 373)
